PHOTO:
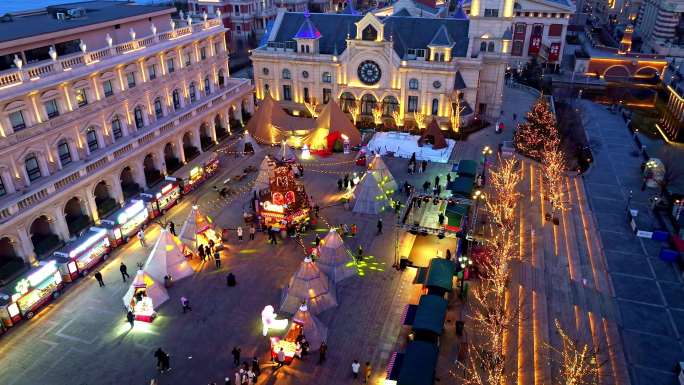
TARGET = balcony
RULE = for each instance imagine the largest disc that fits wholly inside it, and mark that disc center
(18, 81)
(42, 189)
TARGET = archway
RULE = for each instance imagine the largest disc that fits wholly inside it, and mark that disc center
(152, 174)
(347, 101)
(44, 240)
(10, 262)
(221, 131)
(205, 137)
(103, 200)
(616, 73)
(128, 184)
(368, 103)
(189, 149)
(172, 162)
(75, 216)
(389, 105)
(245, 114)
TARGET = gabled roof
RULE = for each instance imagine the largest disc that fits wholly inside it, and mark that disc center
(442, 38)
(407, 32)
(308, 30)
(459, 84)
(402, 12)
(460, 13)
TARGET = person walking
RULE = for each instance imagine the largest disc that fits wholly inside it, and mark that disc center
(448, 176)
(239, 233)
(280, 358)
(355, 369)
(236, 355)
(339, 185)
(141, 237)
(252, 232)
(217, 260)
(211, 246)
(200, 251)
(317, 241)
(379, 226)
(124, 271)
(359, 254)
(172, 228)
(130, 318)
(437, 180)
(238, 377)
(367, 372)
(251, 377)
(426, 186)
(98, 276)
(159, 355)
(230, 280)
(316, 210)
(186, 304)
(255, 366)
(424, 165)
(321, 352)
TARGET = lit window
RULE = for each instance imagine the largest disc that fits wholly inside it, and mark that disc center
(81, 97)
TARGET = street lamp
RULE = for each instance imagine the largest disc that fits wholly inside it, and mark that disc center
(650, 165)
(477, 197)
(465, 264)
(486, 151)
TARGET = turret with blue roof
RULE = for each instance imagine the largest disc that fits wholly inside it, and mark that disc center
(307, 30)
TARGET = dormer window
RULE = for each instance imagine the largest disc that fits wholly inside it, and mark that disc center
(369, 33)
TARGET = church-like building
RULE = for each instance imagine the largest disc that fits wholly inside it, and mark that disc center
(402, 65)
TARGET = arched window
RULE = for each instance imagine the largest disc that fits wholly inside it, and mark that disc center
(369, 33)
(139, 122)
(158, 110)
(176, 99)
(91, 139)
(413, 84)
(32, 167)
(347, 100)
(266, 89)
(193, 92)
(116, 128)
(490, 46)
(435, 106)
(207, 85)
(483, 46)
(368, 103)
(287, 74)
(63, 152)
(221, 81)
(389, 105)
(326, 77)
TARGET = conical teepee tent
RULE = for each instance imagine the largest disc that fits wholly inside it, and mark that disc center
(313, 329)
(168, 259)
(383, 175)
(154, 290)
(308, 285)
(286, 154)
(332, 119)
(333, 257)
(243, 144)
(263, 179)
(262, 126)
(368, 197)
(198, 229)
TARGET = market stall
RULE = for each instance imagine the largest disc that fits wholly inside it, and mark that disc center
(437, 278)
(144, 296)
(334, 259)
(34, 289)
(86, 251)
(9, 311)
(427, 318)
(125, 222)
(162, 197)
(288, 204)
(168, 259)
(196, 171)
(416, 366)
(198, 229)
(308, 285)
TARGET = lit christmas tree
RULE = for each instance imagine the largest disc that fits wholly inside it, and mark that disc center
(531, 137)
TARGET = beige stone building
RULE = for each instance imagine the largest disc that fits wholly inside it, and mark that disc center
(96, 100)
(400, 64)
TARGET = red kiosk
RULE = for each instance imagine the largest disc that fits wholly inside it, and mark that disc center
(288, 202)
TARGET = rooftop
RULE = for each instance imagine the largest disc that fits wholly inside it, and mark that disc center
(99, 11)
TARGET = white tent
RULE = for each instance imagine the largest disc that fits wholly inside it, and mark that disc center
(247, 138)
(263, 179)
(334, 259)
(198, 229)
(168, 259)
(368, 197)
(286, 154)
(383, 175)
(154, 291)
(308, 285)
(313, 329)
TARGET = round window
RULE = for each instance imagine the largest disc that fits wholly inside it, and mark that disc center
(437, 84)
(265, 71)
(305, 74)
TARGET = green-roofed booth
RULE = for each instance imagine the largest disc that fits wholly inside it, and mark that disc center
(438, 277)
(455, 215)
(418, 364)
(427, 318)
(467, 167)
(461, 186)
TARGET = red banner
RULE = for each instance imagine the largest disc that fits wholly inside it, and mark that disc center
(535, 39)
(554, 52)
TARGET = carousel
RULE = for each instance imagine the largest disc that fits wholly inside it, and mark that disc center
(286, 204)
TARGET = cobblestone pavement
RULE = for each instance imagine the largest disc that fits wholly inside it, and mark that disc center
(648, 290)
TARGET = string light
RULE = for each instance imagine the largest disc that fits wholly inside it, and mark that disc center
(531, 137)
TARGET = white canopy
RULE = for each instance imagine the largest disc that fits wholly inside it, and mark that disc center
(308, 285)
(153, 289)
(334, 260)
(263, 179)
(383, 175)
(167, 258)
(198, 229)
(368, 197)
(313, 329)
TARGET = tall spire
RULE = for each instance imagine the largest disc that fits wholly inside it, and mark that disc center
(460, 13)
(308, 30)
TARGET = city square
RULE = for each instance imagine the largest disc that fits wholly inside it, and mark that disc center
(406, 192)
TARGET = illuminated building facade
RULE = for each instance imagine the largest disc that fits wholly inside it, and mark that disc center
(98, 101)
(401, 65)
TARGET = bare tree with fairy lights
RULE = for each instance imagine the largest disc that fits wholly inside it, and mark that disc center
(578, 363)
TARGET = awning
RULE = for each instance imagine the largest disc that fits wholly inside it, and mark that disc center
(418, 364)
(420, 275)
(410, 314)
(440, 274)
(430, 314)
(467, 167)
(461, 186)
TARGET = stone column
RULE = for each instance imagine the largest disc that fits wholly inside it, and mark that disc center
(92, 206)
(161, 162)
(60, 225)
(212, 130)
(7, 181)
(26, 245)
(139, 174)
(196, 139)
(116, 190)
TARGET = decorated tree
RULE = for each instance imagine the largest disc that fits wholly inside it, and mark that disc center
(553, 163)
(578, 363)
(531, 136)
